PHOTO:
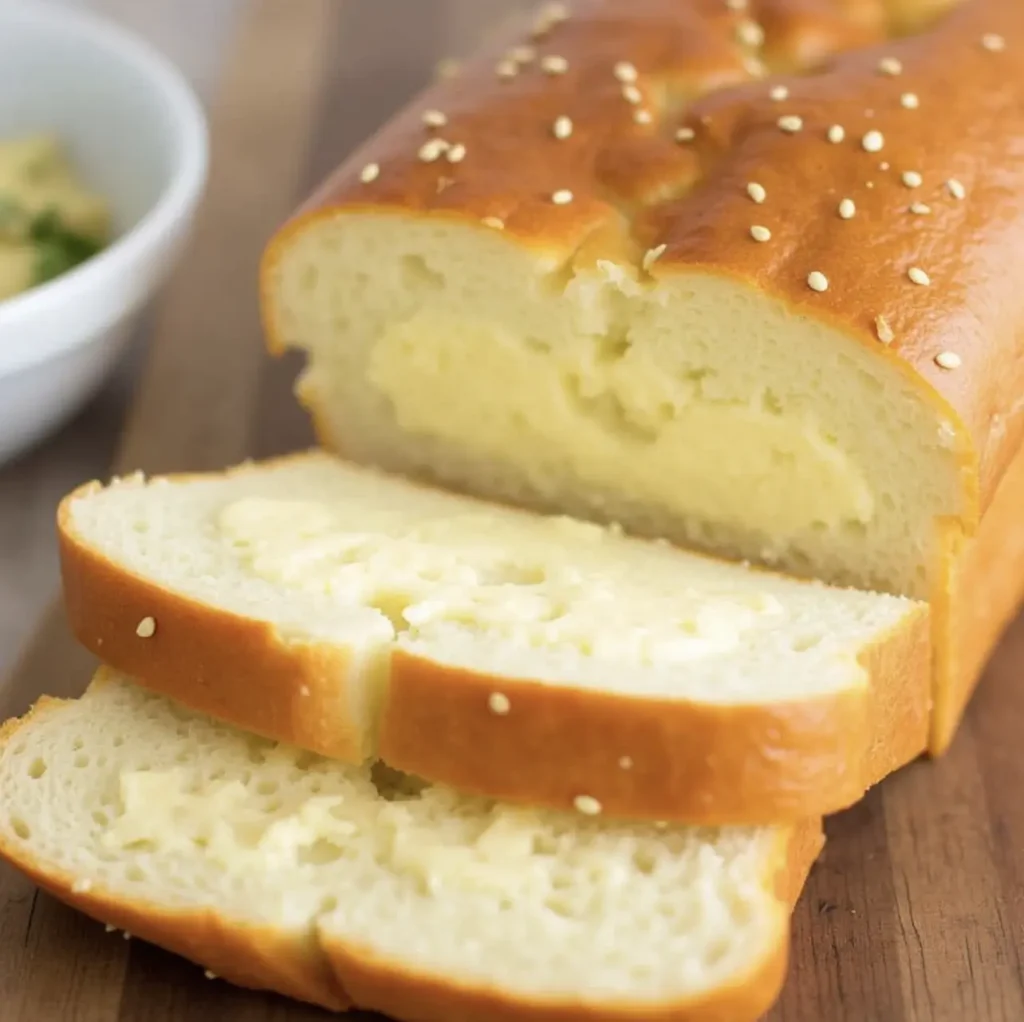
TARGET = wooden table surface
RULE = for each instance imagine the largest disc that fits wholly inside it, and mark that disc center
(915, 913)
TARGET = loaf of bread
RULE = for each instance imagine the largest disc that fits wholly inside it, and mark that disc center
(536, 659)
(743, 275)
(341, 886)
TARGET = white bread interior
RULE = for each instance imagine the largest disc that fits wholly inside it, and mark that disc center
(327, 552)
(675, 402)
(129, 806)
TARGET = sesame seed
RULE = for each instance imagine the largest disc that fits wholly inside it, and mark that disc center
(873, 141)
(736, 5)
(110, 928)
(631, 94)
(817, 281)
(434, 119)
(920, 208)
(369, 173)
(750, 33)
(642, 116)
(499, 703)
(432, 150)
(126, 935)
(890, 66)
(456, 153)
(554, 65)
(626, 762)
(779, 93)
(587, 804)
(754, 67)
(506, 69)
(918, 276)
(760, 233)
(685, 134)
(562, 128)
(884, 330)
(652, 255)
(625, 71)
(956, 189)
(948, 360)
(847, 209)
(993, 42)
(756, 192)
(523, 54)
(562, 197)
(210, 974)
(869, 184)
(836, 134)
(910, 101)
(146, 628)
(494, 222)
(912, 179)
(884, 165)
(791, 123)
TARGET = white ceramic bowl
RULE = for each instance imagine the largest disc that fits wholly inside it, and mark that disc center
(138, 135)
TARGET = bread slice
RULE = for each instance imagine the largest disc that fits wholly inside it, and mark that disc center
(278, 869)
(534, 659)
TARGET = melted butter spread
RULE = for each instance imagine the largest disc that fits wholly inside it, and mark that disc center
(536, 582)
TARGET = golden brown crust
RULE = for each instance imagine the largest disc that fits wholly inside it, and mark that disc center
(634, 186)
(231, 667)
(256, 957)
(982, 589)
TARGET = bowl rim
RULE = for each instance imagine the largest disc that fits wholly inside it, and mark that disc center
(176, 201)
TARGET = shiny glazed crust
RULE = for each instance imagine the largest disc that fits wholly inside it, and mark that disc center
(690, 762)
(339, 976)
(700, 67)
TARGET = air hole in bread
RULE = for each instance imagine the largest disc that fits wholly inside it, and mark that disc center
(268, 787)
(101, 818)
(329, 904)
(36, 769)
(417, 275)
(319, 853)
(135, 874)
(644, 860)
(21, 828)
(393, 606)
(393, 785)
(81, 761)
(802, 643)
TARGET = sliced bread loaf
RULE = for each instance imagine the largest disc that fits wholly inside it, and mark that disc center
(342, 886)
(534, 659)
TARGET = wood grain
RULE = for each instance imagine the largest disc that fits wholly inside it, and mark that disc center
(915, 912)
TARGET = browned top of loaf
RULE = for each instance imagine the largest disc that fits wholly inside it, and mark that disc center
(675, 109)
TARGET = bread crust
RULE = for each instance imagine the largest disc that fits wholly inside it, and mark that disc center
(691, 762)
(338, 976)
(635, 187)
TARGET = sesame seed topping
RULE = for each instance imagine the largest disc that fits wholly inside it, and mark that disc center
(506, 69)
(210, 974)
(817, 281)
(146, 628)
(910, 101)
(948, 360)
(884, 330)
(873, 141)
(562, 128)
(494, 222)
(847, 209)
(432, 150)
(587, 804)
(523, 54)
(642, 116)
(736, 5)
(884, 165)
(756, 192)
(754, 67)
(779, 93)
(456, 153)
(304, 690)
(434, 119)
(625, 72)
(918, 276)
(869, 184)
(956, 189)
(920, 208)
(369, 173)
(685, 134)
(760, 233)
(836, 134)
(126, 935)
(499, 703)
(791, 123)
(993, 42)
(554, 65)
(652, 255)
(890, 66)
(912, 179)
(750, 33)
(110, 928)
(626, 762)
(562, 197)
(631, 94)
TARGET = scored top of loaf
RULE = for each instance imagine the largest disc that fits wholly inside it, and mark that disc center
(858, 159)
